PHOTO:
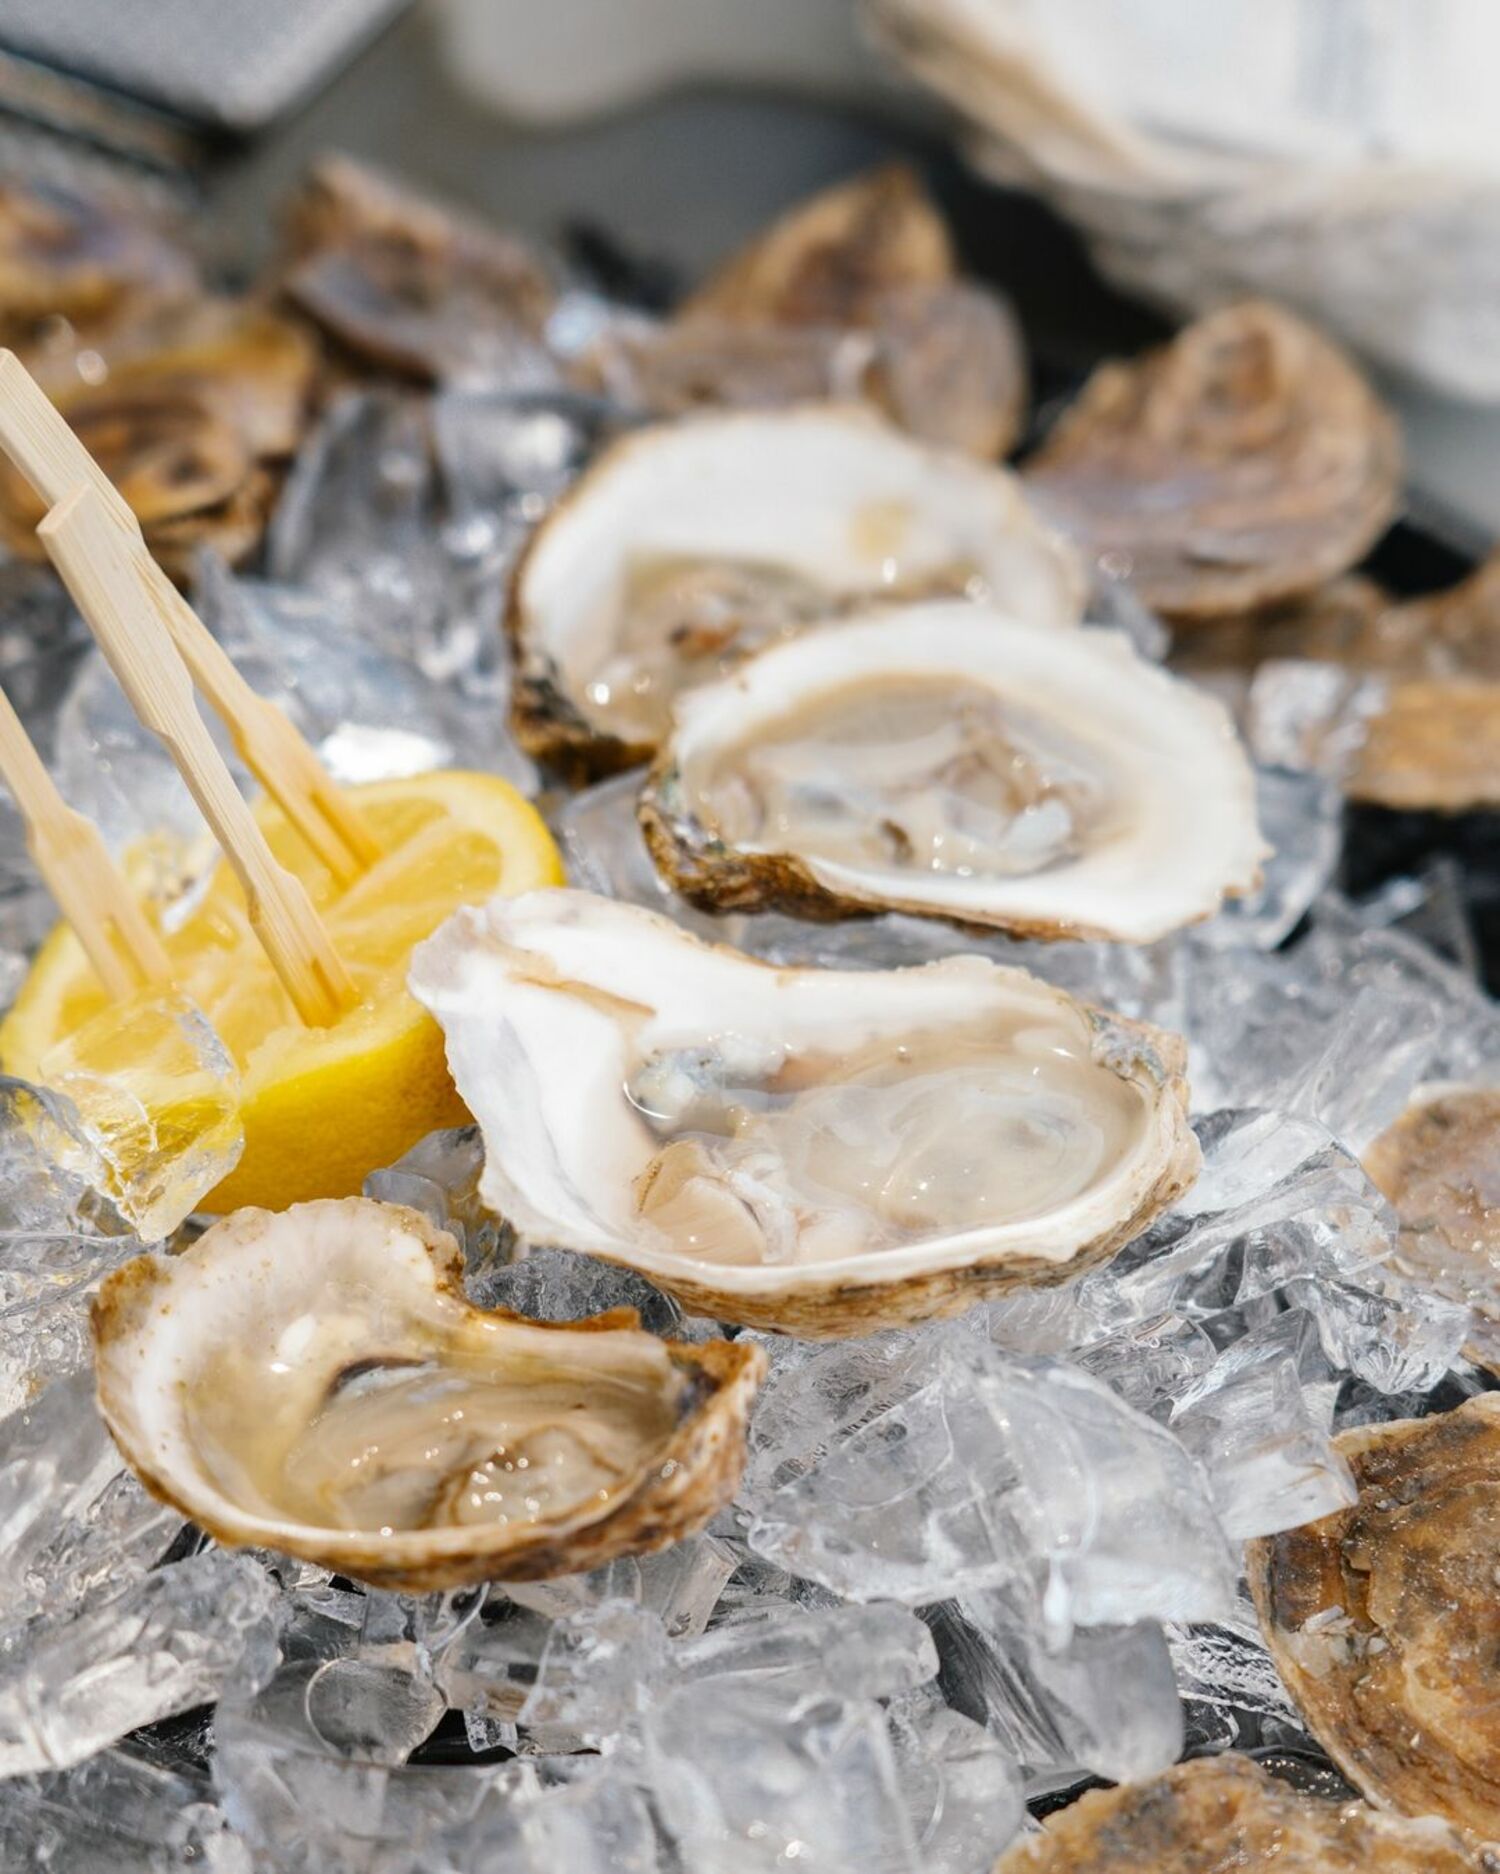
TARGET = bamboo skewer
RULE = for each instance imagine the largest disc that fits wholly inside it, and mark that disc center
(75, 865)
(95, 557)
(45, 451)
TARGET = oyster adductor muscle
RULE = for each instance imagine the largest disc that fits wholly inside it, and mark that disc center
(1221, 1813)
(1384, 1619)
(314, 1381)
(1244, 463)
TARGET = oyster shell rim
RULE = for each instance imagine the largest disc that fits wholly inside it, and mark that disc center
(676, 1492)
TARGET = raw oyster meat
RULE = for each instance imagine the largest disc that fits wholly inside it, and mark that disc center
(687, 545)
(817, 1151)
(1439, 1164)
(1225, 1812)
(945, 760)
(1384, 1621)
(1244, 463)
(313, 1381)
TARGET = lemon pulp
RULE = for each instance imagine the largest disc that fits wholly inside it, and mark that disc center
(322, 1107)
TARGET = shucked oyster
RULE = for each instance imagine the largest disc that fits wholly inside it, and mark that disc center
(1439, 1164)
(405, 283)
(1225, 1813)
(945, 760)
(315, 1381)
(817, 1151)
(187, 415)
(852, 294)
(688, 545)
(1384, 1619)
(1244, 463)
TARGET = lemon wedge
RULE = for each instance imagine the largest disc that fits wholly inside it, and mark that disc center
(321, 1107)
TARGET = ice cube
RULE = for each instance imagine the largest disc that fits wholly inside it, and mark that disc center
(58, 1237)
(920, 1466)
(74, 1522)
(1270, 1464)
(170, 1641)
(759, 1782)
(961, 1787)
(871, 1651)
(1104, 1701)
(680, 1585)
(117, 1814)
(157, 1097)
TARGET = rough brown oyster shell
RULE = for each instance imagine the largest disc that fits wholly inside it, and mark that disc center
(1439, 1164)
(1224, 1813)
(1432, 741)
(1243, 464)
(191, 415)
(854, 293)
(828, 260)
(77, 257)
(1384, 1619)
(404, 283)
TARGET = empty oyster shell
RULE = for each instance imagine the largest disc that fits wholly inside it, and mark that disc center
(945, 760)
(829, 260)
(1244, 463)
(1225, 1812)
(86, 259)
(189, 412)
(1439, 1164)
(314, 1381)
(404, 282)
(686, 545)
(821, 1152)
(1384, 1621)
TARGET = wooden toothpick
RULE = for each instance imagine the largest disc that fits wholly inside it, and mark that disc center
(75, 865)
(99, 566)
(47, 453)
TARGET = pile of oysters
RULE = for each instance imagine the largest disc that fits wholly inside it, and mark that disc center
(857, 667)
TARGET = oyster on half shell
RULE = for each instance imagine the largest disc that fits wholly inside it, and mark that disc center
(1242, 464)
(822, 1152)
(687, 545)
(945, 760)
(1224, 1812)
(1384, 1620)
(314, 1381)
